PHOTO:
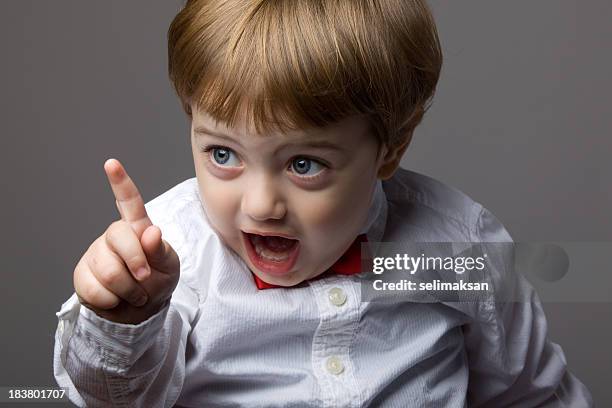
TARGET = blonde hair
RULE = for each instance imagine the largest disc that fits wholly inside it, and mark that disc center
(301, 63)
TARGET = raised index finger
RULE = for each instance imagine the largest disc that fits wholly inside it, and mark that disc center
(129, 201)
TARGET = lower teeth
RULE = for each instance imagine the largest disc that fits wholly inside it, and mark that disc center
(269, 255)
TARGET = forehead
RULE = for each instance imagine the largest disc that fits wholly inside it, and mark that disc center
(346, 131)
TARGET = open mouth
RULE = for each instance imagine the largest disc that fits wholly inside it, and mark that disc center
(272, 254)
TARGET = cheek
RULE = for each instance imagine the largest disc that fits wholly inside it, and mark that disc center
(338, 212)
(343, 210)
(220, 202)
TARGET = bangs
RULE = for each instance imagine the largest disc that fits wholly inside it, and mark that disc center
(288, 65)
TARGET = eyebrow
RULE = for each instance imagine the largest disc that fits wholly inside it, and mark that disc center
(324, 144)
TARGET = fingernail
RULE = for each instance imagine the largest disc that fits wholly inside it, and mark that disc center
(141, 300)
(142, 272)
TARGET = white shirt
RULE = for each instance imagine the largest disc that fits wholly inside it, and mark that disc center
(221, 342)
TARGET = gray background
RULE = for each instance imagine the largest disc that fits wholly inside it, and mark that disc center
(521, 123)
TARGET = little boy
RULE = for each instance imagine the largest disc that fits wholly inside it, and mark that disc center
(300, 113)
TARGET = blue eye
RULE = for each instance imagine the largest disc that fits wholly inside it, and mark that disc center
(221, 155)
(303, 165)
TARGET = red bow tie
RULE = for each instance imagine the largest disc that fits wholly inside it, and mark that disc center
(348, 264)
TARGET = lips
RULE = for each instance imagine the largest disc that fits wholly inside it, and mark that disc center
(266, 234)
(273, 254)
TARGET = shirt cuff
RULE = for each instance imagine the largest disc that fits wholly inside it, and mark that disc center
(121, 344)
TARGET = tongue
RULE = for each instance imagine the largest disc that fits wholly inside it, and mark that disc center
(277, 244)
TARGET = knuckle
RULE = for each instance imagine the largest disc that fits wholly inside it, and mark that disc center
(111, 276)
(117, 223)
(115, 228)
(93, 259)
(91, 294)
(135, 261)
(111, 230)
(77, 276)
(99, 257)
(94, 295)
(93, 247)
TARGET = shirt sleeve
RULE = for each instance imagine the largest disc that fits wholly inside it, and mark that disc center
(512, 362)
(103, 363)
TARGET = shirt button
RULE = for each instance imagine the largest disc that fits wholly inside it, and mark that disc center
(337, 296)
(334, 365)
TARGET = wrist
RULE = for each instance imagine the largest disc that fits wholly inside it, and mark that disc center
(125, 313)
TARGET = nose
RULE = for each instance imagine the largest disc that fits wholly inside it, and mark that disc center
(261, 200)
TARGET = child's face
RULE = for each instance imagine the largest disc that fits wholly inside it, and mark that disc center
(277, 184)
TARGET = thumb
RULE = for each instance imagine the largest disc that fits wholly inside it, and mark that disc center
(159, 253)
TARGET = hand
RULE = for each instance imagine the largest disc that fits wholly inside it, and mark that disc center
(129, 272)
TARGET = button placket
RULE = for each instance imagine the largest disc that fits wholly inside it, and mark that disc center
(338, 305)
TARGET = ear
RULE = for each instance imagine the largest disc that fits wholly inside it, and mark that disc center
(392, 158)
